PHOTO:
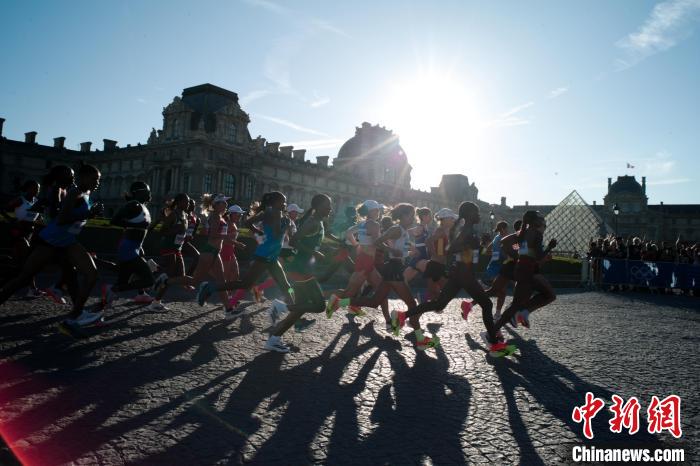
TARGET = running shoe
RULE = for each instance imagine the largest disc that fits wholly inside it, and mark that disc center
(55, 295)
(466, 308)
(275, 343)
(108, 296)
(34, 293)
(523, 318)
(143, 298)
(157, 306)
(302, 324)
(277, 310)
(203, 293)
(258, 294)
(159, 284)
(233, 313)
(428, 342)
(70, 328)
(355, 311)
(398, 320)
(332, 305)
(86, 317)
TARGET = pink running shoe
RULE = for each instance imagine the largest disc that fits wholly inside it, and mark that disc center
(143, 298)
(258, 294)
(466, 308)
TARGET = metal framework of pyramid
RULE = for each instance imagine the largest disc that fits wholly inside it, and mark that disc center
(574, 223)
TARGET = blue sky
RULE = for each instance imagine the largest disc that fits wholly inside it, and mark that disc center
(529, 99)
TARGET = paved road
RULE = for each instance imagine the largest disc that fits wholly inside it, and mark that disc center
(187, 387)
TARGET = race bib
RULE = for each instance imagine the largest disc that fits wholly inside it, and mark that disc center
(180, 239)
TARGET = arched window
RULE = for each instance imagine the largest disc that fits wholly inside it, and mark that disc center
(229, 185)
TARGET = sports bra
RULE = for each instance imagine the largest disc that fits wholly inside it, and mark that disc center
(22, 212)
(401, 244)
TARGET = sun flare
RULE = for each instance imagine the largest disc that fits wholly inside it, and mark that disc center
(436, 119)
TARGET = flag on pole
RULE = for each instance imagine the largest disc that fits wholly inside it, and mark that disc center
(630, 166)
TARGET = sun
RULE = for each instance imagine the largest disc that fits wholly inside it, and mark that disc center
(436, 119)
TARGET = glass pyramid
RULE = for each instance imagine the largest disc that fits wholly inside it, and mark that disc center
(574, 224)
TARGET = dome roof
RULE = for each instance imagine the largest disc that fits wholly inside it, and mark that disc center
(370, 142)
(626, 185)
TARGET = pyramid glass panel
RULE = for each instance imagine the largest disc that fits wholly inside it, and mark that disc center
(574, 224)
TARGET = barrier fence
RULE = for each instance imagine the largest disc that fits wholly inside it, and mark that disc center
(643, 274)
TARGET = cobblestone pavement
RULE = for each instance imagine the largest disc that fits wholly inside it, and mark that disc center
(187, 387)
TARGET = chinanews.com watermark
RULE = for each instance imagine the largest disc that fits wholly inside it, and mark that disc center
(663, 416)
(583, 454)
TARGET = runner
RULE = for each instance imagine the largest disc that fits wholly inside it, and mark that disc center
(436, 268)
(271, 212)
(56, 184)
(135, 218)
(301, 268)
(494, 268)
(395, 243)
(188, 248)
(418, 257)
(527, 272)
(506, 273)
(58, 242)
(228, 250)
(23, 226)
(173, 232)
(209, 264)
(465, 246)
(368, 232)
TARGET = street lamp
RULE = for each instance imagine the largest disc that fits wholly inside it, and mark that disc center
(616, 211)
(492, 216)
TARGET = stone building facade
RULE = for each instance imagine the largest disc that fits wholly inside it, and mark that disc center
(637, 217)
(204, 146)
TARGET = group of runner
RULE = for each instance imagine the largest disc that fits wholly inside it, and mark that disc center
(386, 248)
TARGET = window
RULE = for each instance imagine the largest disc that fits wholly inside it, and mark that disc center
(211, 154)
(229, 185)
(249, 188)
(206, 183)
(232, 131)
(186, 182)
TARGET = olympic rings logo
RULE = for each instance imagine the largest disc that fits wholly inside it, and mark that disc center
(642, 273)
